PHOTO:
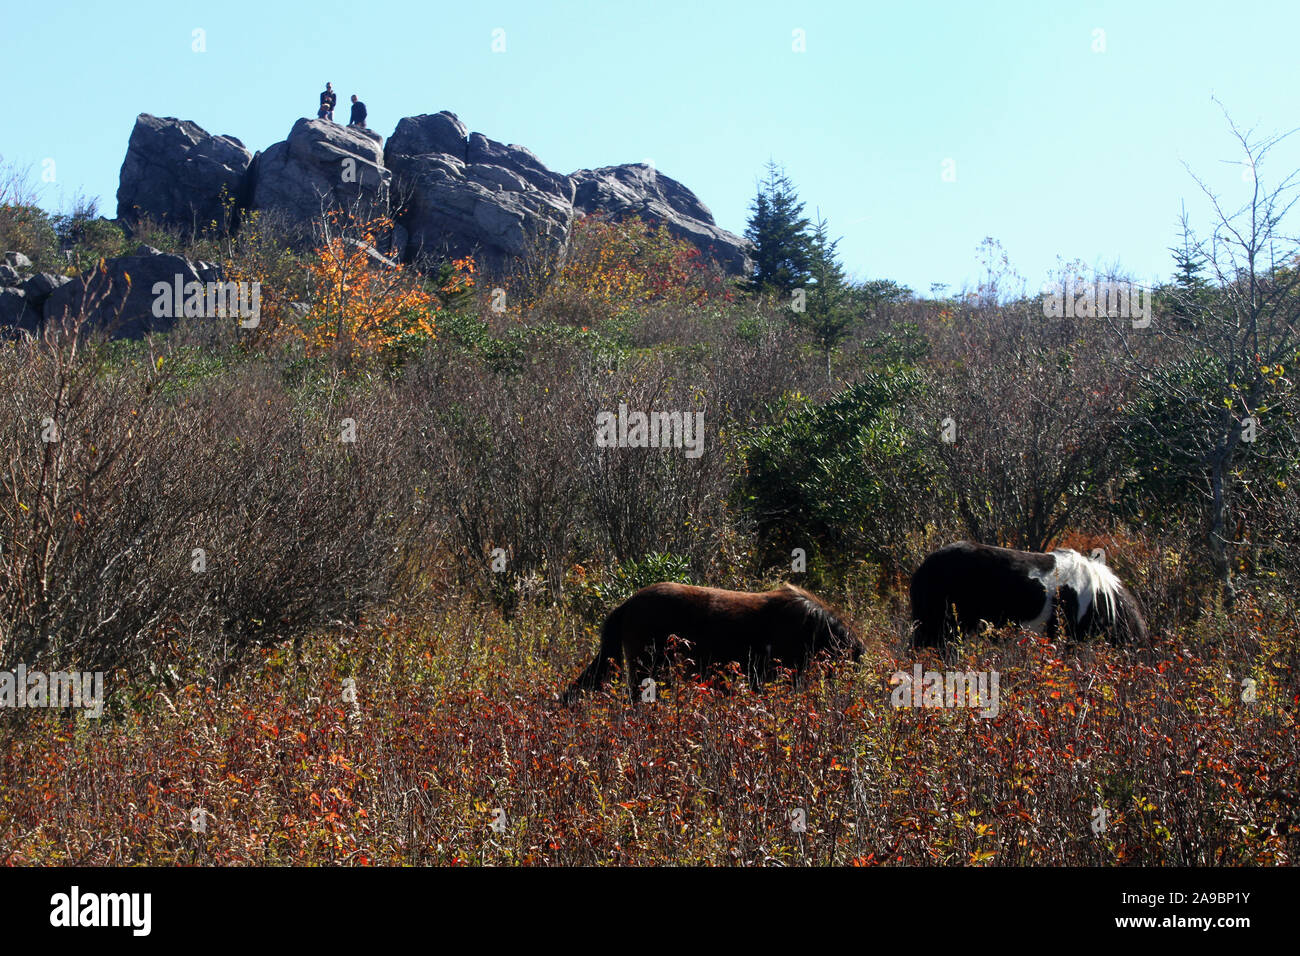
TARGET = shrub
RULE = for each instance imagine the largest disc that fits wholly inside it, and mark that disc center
(1021, 418)
(360, 305)
(157, 521)
(1172, 426)
(29, 230)
(24, 226)
(88, 238)
(614, 268)
(836, 479)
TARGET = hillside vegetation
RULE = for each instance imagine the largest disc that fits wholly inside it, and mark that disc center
(337, 566)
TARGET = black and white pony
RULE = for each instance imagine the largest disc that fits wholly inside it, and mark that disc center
(963, 584)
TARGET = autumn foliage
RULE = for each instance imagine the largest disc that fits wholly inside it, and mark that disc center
(398, 743)
(362, 304)
(615, 267)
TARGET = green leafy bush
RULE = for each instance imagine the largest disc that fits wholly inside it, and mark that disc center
(835, 479)
(593, 595)
(632, 576)
(28, 229)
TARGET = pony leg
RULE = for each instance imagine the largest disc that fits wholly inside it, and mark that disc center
(934, 625)
(758, 668)
(640, 665)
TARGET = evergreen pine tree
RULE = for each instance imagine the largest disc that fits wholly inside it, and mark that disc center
(829, 313)
(779, 231)
(1190, 293)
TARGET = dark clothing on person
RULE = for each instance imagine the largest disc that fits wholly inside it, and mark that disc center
(358, 114)
(327, 100)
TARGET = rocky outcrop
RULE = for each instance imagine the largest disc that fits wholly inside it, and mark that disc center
(17, 314)
(121, 299)
(37, 288)
(452, 193)
(178, 174)
(21, 295)
(321, 166)
(638, 189)
(464, 194)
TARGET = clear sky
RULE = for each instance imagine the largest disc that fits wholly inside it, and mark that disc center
(1061, 151)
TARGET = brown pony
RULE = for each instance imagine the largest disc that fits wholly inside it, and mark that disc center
(714, 628)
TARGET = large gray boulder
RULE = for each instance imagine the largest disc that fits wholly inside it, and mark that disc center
(429, 133)
(322, 166)
(638, 189)
(38, 287)
(177, 173)
(17, 314)
(121, 300)
(470, 195)
(488, 153)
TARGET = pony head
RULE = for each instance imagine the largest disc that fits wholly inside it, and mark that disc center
(830, 632)
(1103, 603)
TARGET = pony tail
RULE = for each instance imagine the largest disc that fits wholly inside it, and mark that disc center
(1130, 623)
(597, 672)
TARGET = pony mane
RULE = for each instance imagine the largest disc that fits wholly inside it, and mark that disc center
(1088, 578)
(811, 604)
(813, 607)
(795, 591)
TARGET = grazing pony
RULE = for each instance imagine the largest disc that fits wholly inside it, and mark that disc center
(963, 584)
(786, 626)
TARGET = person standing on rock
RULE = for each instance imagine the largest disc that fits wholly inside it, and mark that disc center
(358, 113)
(327, 100)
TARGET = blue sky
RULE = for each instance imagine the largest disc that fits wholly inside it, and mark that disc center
(1060, 152)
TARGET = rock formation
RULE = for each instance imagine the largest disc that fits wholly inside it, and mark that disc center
(638, 189)
(121, 299)
(452, 192)
(22, 296)
(462, 194)
(16, 313)
(321, 166)
(177, 173)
